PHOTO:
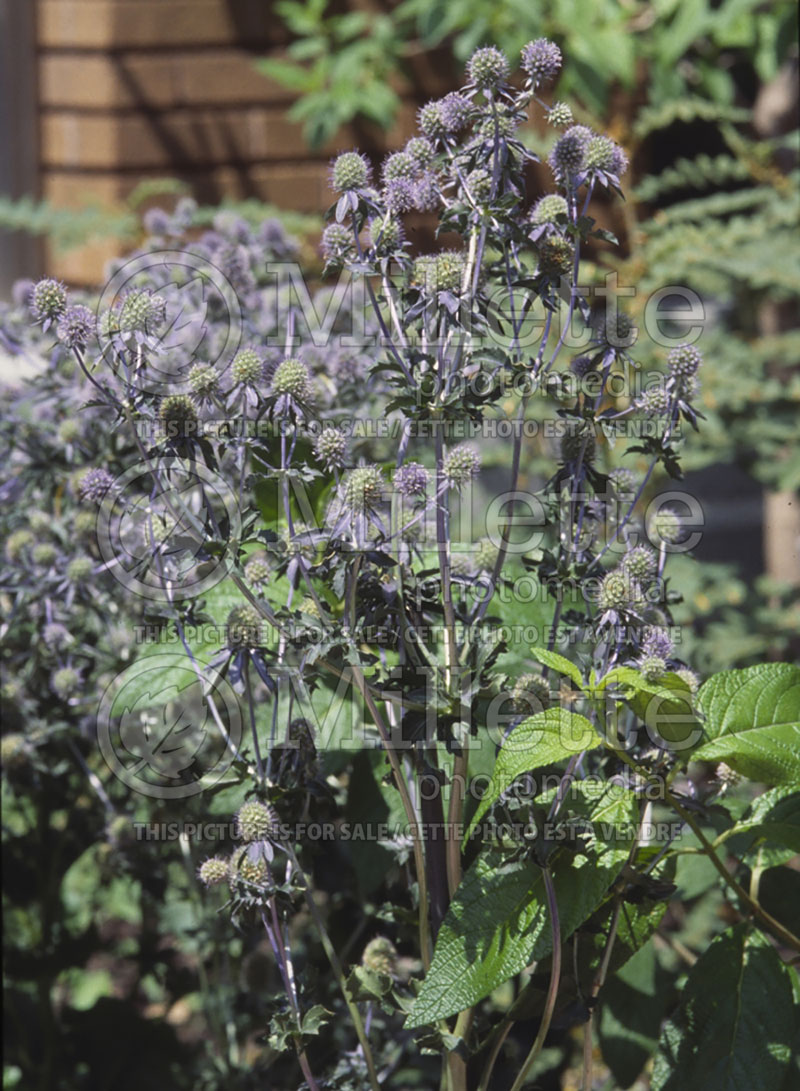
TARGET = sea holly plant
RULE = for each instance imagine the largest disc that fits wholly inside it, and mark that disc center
(471, 782)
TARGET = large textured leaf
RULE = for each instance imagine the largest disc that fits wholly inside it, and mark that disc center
(753, 722)
(736, 1022)
(547, 737)
(498, 922)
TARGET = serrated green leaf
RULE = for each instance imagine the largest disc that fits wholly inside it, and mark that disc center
(558, 663)
(498, 921)
(735, 1025)
(753, 722)
(547, 737)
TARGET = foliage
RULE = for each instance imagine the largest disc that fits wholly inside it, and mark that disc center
(443, 786)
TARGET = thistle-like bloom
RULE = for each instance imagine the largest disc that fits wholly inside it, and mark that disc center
(247, 367)
(456, 112)
(247, 867)
(623, 481)
(618, 331)
(641, 564)
(559, 115)
(157, 222)
(549, 210)
(79, 569)
(178, 415)
(331, 448)
(653, 667)
(488, 67)
(576, 439)
(16, 542)
(399, 165)
(654, 402)
(141, 311)
(64, 682)
(689, 678)
(399, 195)
(75, 326)
(411, 479)
(350, 171)
(363, 489)
(386, 234)
(380, 955)
(684, 361)
(203, 379)
(603, 154)
(94, 484)
(541, 60)
(244, 627)
(421, 152)
(213, 871)
(655, 640)
(569, 151)
(531, 694)
(257, 568)
(486, 555)
(44, 554)
(256, 821)
(461, 465)
(336, 243)
(431, 121)
(617, 592)
(556, 256)
(479, 184)
(426, 193)
(291, 385)
(665, 526)
(48, 301)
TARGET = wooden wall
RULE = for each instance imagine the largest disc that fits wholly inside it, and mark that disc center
(137, 89)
